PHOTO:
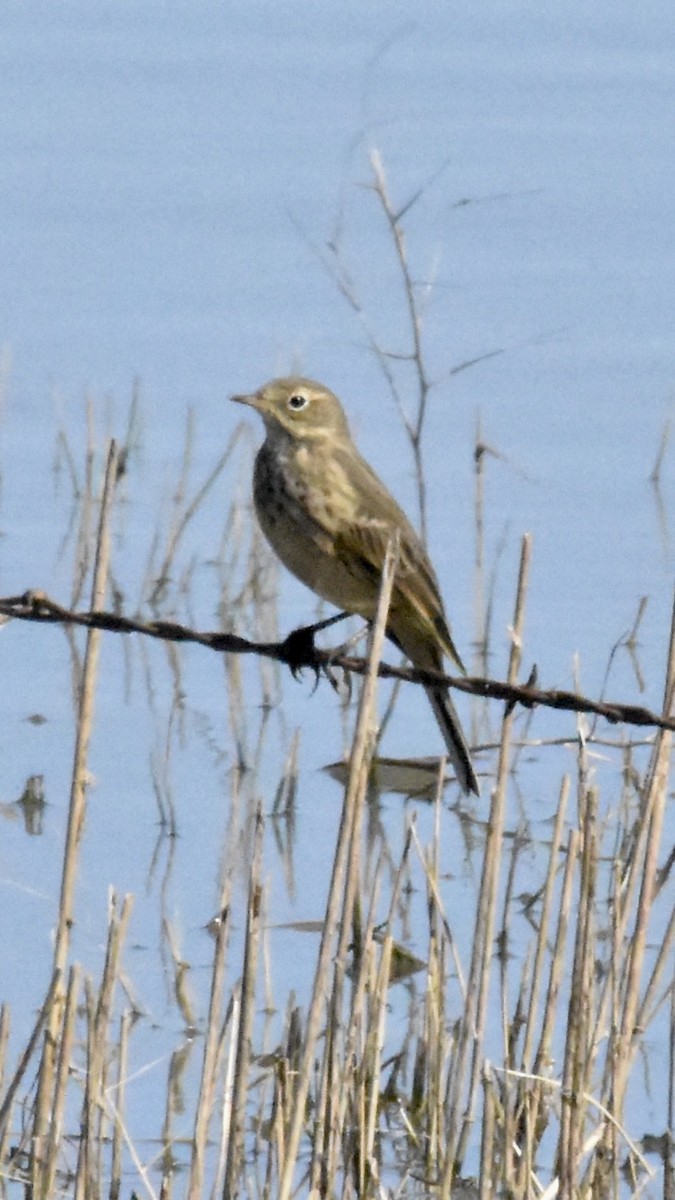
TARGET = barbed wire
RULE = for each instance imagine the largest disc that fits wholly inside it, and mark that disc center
(298, 652)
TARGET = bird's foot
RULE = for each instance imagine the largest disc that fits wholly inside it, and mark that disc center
(298, 649)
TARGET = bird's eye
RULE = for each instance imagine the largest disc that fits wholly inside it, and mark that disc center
(297, 402)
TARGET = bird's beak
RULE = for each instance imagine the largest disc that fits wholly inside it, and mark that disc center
(253, 400)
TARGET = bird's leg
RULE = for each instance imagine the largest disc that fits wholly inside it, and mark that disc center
(345, 648)
(298, 648)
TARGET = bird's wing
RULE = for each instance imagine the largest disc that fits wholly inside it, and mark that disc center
(362, 543)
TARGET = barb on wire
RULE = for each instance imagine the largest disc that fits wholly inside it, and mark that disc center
(298, 651)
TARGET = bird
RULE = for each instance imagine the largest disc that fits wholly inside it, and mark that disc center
(329, 519)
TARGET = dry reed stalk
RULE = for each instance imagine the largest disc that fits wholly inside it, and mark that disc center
(86, 511)
(620, 1002)
(512, 1019)
(436, 1060)
(87, 1116)
(286, 1067)
(210, 1057)
(62, 1076)
(348, 1131)
(661, 967)
(118, 1106)
(76, 813)
(377, 1022)
(344, 1032)
(627, 886)
(167, 1160)
(429, 1092)
(578, 1056)
(543, 1057)
(31, 1045)
(229, 1035)
(472, 1025)
(324, 1101)
(655, 800)
(4, 1039)
(360, 1070)
(481, 607)
(345, 1044)
(415, 326)
(527, 1063)
(669, 1152)
(379, 1009)
(94, 1109)
(486, 1189)
(355, 792)
(235, 1155)
(532, 1095)
(437, 1050)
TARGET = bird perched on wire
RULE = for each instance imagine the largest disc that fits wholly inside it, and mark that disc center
(329, 518)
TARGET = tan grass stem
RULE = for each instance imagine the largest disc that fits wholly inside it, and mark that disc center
(353, 797)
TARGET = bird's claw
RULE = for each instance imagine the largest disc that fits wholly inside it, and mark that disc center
(299, 652)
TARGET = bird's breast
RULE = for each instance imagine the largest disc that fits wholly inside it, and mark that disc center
(302, 505)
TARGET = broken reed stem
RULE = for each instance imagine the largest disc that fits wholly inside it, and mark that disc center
(353, 798)
(117, 1107)
(208, 1076)
(76, 813)
(235, 1154)
(54, 1145)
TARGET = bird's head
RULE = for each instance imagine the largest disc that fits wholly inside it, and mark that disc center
(301, 408)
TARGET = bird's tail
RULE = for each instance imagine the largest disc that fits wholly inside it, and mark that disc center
(458, 751)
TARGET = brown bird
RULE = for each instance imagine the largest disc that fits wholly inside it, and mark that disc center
(329, 519)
